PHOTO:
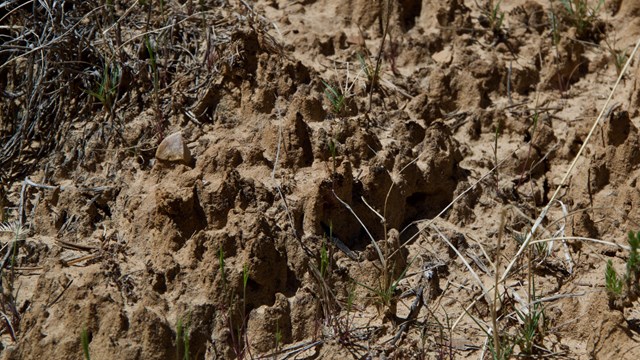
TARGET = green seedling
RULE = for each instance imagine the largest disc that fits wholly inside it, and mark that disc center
(539, 248)
(179, 337)
(501, 349)
(623, 291)
(84, 341)
(232, 310)
(245, 277)
(529, 333)
(321, 273)
(106, 91)
(504, 352)
(324, 259)
(633, 264)
(369, 71)
(385, 293)
(3, 202)
(182, 341)
(492, 18)
(620, 58)
(442, 340)
(612, 282)
(186, 342)
(221, 267)
(278, 337)
(203, 12)
(351, 298)
(334, 151)
(496, 17)
(336, 97)
(582, 15)
(245, 281)
(152, 62)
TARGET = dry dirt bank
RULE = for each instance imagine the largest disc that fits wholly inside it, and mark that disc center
(329, 210)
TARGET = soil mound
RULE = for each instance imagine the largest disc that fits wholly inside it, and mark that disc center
(319, 179)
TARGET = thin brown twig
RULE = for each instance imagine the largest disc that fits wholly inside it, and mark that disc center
(74, 246)
(376, 76)
(80, 259)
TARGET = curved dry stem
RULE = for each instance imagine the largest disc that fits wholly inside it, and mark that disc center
(466, 310)
(580, 238)
(383, 261)
(466, 263)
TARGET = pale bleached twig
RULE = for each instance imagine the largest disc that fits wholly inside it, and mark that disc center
(383, 261)
(466, 263)
(580, 238)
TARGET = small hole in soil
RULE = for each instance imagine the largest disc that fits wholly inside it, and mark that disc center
(416, 199)
(409, 11)
(160, 285)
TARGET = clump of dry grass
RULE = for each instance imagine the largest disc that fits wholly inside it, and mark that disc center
(8, 304)
(59, 62)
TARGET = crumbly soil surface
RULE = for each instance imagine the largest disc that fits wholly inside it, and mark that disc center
(262, 244)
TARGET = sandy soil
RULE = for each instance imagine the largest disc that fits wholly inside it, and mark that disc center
(301, 228)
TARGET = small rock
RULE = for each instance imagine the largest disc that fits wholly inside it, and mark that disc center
(443, 57)
(174, 149)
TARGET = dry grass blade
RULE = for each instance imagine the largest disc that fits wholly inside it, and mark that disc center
(52, 42)
(19, 232)
(464, 261)
(7, 320)
(80, 259)
(579, 238)
(7, 287)
(471, 305)
(41, 54)
(561, 233)
(72, 246)
(383, 260)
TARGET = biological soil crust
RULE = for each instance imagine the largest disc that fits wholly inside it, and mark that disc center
(355, 174)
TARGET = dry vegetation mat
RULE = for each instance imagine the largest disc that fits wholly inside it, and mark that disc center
(321, 179)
